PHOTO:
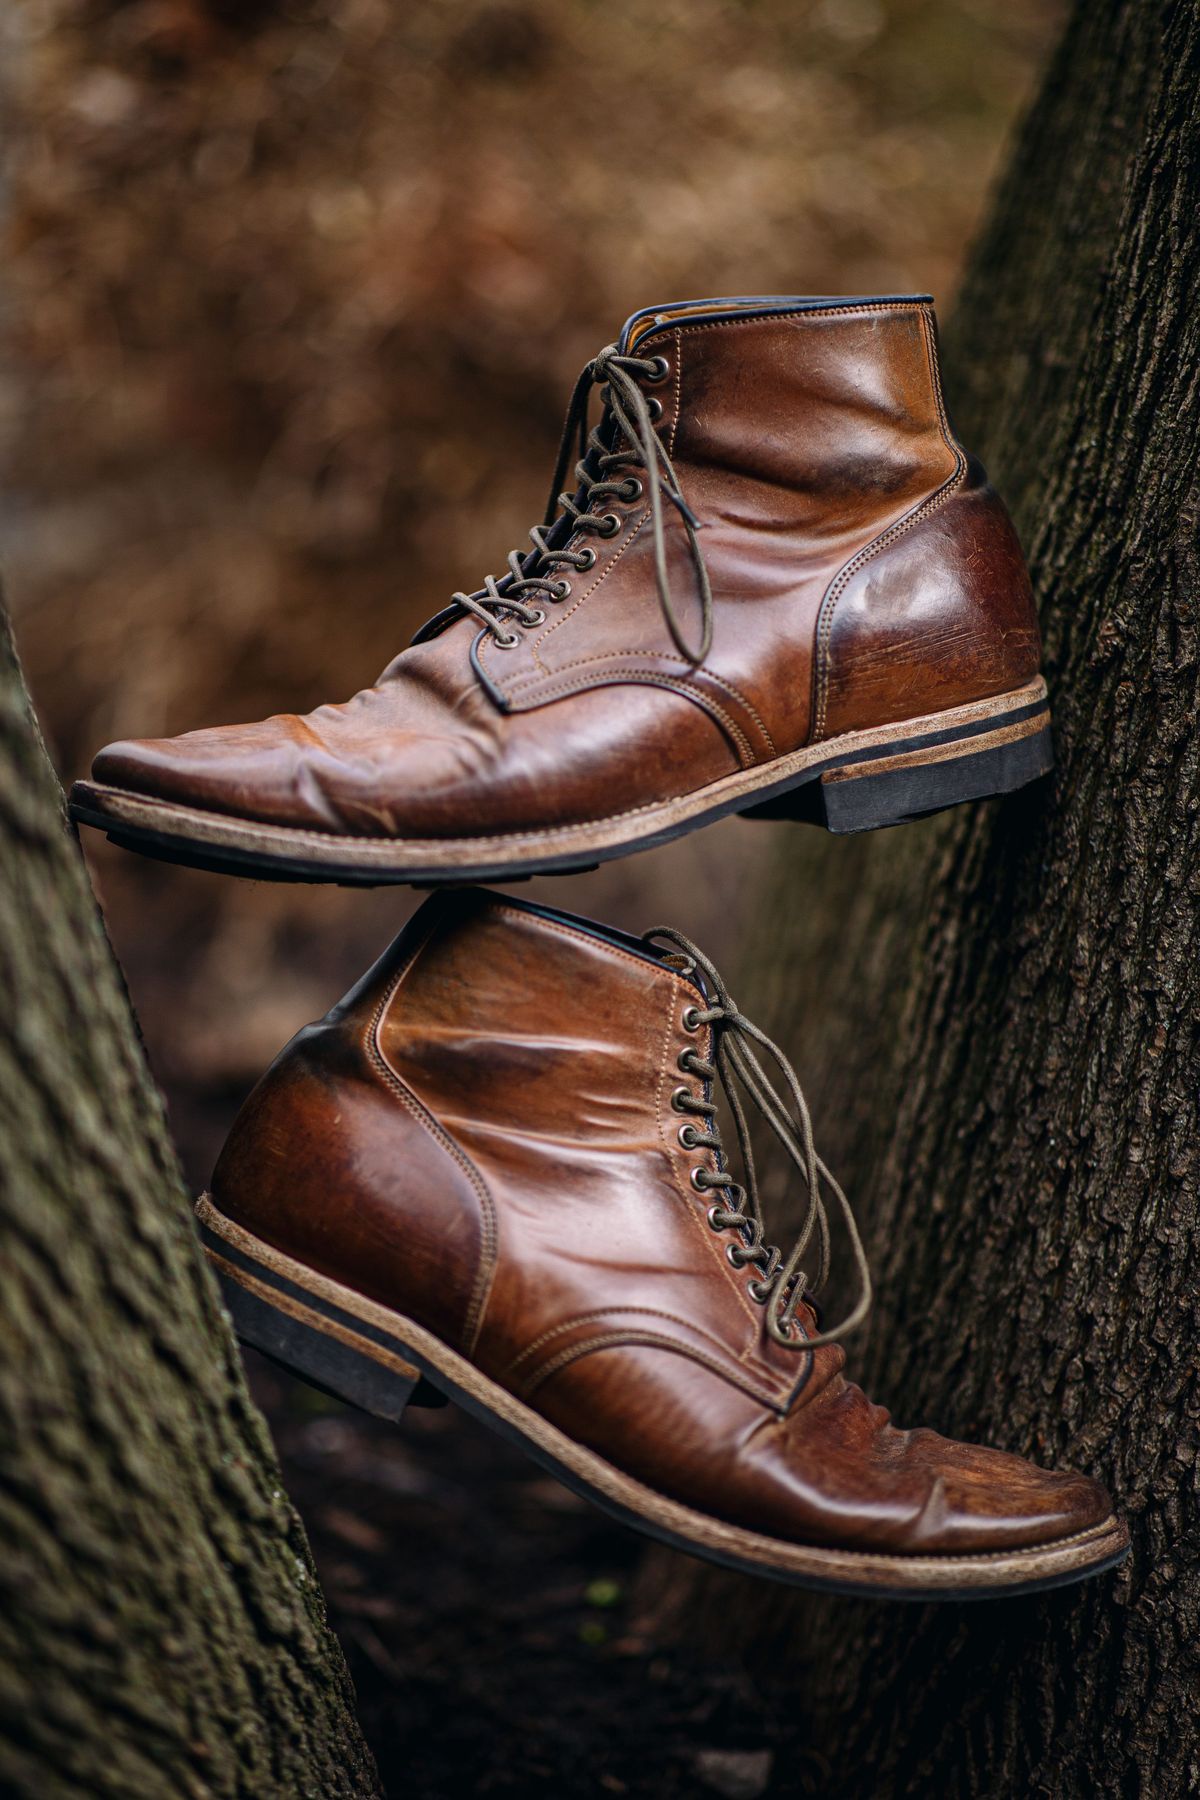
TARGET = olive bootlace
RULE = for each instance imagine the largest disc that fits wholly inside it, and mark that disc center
(782, 1281)
(623, 439)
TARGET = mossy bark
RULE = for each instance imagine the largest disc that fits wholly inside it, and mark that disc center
(1002, 1007)
(161, 1628)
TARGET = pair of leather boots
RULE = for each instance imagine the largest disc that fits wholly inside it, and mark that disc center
(496, 1171)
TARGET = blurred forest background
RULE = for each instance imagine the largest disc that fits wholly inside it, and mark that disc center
(291, 301)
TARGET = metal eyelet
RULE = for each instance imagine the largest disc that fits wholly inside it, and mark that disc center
(661, 370)
(684, 1062)
(687, 1136)
(587, 558)
(610, 526)
(711, 1215)
(536, 617)
(691, 1018)
(757, 1291)
(734, 1257)
(633, 490)
(655, 407)
(679, 1096)
(561, 590)
(698, 1181)
(507, 640)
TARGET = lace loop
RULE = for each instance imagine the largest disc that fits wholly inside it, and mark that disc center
(624, 437)
(781, 1282)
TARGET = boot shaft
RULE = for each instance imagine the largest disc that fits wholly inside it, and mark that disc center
(862, 569)
(485, 1126)
(515, 1025)
(830, 412)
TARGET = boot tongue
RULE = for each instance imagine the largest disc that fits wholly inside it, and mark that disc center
(681, 965)
(628, 331)
(651, 318)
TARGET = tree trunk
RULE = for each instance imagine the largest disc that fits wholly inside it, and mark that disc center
(1000, 1007)
(161, 1629)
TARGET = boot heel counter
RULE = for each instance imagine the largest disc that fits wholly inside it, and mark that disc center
(260, 1176)
(937, 614)
(284, 1158)
(329, 1164)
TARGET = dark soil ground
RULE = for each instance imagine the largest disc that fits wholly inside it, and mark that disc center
(496, 1628)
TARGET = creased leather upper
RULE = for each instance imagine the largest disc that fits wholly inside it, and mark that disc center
(862, 573)
(481, 1137)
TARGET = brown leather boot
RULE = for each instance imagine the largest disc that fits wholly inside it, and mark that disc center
(780, 587)
(494, 1168)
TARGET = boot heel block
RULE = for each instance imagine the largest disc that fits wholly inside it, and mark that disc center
(327, 1353)
(910, 780)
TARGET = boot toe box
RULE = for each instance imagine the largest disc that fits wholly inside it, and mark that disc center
(245, 770)
(844, 1474)
(982, 1500)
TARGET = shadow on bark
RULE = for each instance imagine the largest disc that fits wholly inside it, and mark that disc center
(161, 1627)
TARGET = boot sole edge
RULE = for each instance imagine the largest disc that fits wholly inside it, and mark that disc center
(861, 781)
(377, 1359)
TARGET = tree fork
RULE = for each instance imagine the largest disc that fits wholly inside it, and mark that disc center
(161, 1626)
(1003, 1020)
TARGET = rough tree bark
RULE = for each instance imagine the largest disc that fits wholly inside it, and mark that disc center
(161, 1628)
(1000, 1006)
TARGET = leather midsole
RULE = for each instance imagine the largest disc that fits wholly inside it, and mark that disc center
(958, 731)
